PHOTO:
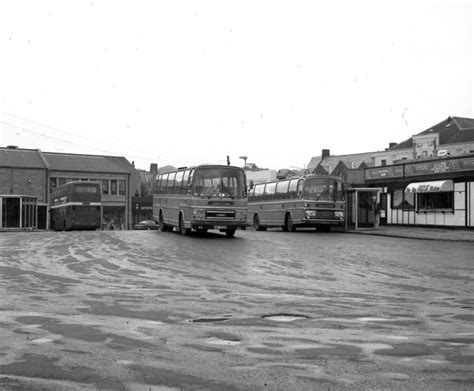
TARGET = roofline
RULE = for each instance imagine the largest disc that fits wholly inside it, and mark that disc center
(84, 154)
(43, 159)
(90, 172)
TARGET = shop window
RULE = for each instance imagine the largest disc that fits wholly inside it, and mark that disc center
(121, 185)
(54, 183)
(113, 187)
(105, 186)
(402, 200)
(432, 201)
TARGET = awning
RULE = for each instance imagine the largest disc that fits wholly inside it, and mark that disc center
(430, 187)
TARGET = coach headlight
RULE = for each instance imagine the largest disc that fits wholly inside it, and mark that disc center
(199, 214)
(339, 215)
(310, 214)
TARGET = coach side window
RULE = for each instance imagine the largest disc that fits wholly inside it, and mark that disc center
(258, 195)
(282, 190)
(157, 184)
(300, 188)
(163, 181)
(169, 184)
(270, 191)
(178, 181)
(292, 188)
(184, 188)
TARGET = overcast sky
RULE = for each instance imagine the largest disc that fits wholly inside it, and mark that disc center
(189, 82)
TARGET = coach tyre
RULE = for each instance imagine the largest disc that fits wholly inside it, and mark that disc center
(184, 231)
(230, 232)
(289, 223)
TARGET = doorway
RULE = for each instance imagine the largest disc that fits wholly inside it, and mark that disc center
(360, 208)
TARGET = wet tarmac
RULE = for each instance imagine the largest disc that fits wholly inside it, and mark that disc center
(147, 310)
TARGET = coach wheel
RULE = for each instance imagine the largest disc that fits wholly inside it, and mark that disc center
(163, 226)
(256, 224)
(184, 231)
(289, 223)
(230, 232)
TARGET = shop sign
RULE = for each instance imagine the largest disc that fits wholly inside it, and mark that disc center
(384, 172)
(430, 187)
(438, 167)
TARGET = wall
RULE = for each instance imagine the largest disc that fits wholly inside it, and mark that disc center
(24, 181)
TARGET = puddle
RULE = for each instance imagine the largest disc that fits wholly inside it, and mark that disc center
(210, 320)
(152, 387)
(373, 319)
(405, 350)
(396, 337)
(222, 342)
(395, 375)
(40, 341)
(285, 317)
(370, 348)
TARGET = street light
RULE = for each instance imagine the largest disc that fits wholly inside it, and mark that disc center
(245, 161)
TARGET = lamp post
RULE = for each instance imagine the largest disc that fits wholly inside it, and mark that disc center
(244, 158)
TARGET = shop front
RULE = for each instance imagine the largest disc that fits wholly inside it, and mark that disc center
(113, 217)
(428, 193)
(18, 212)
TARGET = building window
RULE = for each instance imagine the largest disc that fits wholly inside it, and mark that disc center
(430, 201)
(105, 186)
(121, 185)
(402, 200)
(384, 162)
(54, 183)
(113, 187)
(61, 181)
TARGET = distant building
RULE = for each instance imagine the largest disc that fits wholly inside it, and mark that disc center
(260, 176)
(452, 137)
(27, 177)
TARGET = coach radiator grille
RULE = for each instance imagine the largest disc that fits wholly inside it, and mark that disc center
(220, 214)
(325, 214)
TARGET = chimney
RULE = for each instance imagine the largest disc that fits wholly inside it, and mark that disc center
(391, 145)
(325, 153)
(12, 146)
(154, 167)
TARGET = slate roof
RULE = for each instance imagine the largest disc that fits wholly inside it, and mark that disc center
(86, 163)
(451, 131)
(21, 158)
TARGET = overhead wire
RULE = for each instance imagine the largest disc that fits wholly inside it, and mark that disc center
(29, 131)
(74, 135)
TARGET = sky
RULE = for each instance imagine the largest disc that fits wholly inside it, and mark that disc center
(189, 82)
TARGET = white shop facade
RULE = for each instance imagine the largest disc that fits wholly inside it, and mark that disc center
(437, 192)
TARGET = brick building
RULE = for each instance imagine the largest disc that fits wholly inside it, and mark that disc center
(27, 177)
